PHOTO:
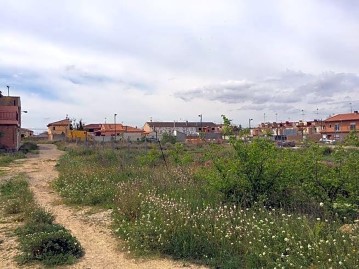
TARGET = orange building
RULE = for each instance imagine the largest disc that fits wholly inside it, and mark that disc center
(339, 126)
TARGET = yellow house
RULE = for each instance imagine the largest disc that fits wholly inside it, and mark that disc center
(78, 135)
(58, 130)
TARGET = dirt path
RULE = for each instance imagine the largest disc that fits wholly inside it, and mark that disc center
(101, 247)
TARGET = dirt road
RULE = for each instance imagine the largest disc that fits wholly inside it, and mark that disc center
(101, 246)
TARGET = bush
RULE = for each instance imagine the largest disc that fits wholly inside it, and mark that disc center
(28, 146)
(53, 247)
(41, 216)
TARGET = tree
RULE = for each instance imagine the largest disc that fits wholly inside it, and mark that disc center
(168, 138)
(227, 129)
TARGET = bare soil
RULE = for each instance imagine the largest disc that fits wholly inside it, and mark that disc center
(89, 226)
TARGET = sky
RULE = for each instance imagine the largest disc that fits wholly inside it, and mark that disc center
(169, 60)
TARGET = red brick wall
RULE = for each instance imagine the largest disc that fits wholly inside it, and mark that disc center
(9, 137)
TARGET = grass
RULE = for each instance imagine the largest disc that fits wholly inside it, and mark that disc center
(27, 147)
(40, 238)
(7, 158)
(174, 210)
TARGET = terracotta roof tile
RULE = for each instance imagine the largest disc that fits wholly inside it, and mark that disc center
(64, 122)
(344, 117)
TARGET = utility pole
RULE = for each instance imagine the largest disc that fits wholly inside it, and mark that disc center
(114, 119)
(8, 90)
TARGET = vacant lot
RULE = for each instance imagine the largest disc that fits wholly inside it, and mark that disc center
(234, 206)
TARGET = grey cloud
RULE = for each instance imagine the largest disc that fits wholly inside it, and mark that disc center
(288, 87)
(330, 83)
(78, 76)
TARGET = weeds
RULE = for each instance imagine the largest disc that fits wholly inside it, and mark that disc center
(40, 238)
(250, 206)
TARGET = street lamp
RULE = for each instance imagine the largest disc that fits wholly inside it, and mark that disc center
(249, 124)
(114, 119)
(200, 115)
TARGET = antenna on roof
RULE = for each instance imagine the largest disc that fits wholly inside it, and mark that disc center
(351, 108)
(8, 90)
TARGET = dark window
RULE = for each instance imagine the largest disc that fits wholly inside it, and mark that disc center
(352, 127)
(53, 128)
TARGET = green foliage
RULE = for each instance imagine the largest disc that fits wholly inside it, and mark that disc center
(352, 139)
(53, 245)
(28, 147)
(179, 156)
(168, 138)
(244, 205)
(152, 158)
(7, 158)
(40, 239)
(227, 128)
(15, 195)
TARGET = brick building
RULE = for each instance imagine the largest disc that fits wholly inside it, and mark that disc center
(339, 126)
(10, 123)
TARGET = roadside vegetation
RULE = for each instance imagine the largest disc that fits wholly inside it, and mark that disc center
(40, 238)
(7, 158)
(242, 205)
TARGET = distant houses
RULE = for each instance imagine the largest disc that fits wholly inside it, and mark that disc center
(183, 130)
(114, 132)
(335, 128)
(10, 123)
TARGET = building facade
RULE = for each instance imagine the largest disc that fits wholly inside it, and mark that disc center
(10, 123)
(156, 129)
(339, 126)
(58, 130)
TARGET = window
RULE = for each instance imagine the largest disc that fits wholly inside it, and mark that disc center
(337, 127)
(53, 128)
(352, 126)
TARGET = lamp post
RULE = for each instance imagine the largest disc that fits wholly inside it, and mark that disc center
(114, 119)
(200, 116)
(249, 124)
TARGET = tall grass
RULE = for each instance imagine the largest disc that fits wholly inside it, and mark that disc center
(175, 210)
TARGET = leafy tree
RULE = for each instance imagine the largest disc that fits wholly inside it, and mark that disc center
(352, 139)
(168, 138)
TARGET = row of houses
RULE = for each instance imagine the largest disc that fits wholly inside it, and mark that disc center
(335, 127)
(184, 131)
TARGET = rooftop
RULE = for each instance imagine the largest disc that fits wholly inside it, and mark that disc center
(344, 117)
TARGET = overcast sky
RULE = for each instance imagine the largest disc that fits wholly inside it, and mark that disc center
(173, 60)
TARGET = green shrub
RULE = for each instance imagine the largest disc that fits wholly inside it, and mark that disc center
(28, 147)
(40, 216)
(53, 247)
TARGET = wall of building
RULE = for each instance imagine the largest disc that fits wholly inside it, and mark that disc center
(58, 132)
(9, 137)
